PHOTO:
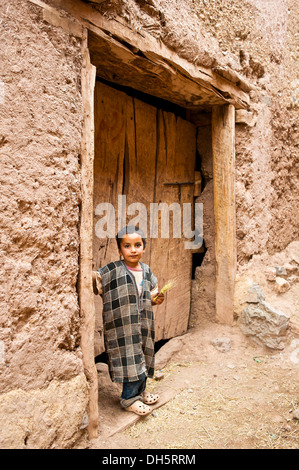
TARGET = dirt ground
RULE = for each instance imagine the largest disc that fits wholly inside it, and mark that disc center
(243, 398)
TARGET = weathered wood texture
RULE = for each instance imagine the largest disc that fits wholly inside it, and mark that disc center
(138, 149)
(223, 143)
(176, 150)
(140, 61)
(87, 310)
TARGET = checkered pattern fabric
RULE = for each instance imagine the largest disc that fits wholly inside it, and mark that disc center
(128, 322)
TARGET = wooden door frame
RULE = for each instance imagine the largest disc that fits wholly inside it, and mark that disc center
(220, 90)
(223, 149)
(86, 301)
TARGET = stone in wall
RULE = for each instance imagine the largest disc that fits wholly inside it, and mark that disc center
(262, 322)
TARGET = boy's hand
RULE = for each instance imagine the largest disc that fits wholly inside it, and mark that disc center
(157, 299)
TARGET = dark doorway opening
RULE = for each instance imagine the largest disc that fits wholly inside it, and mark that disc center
(159, 344)
(101, 358)
(197, 258)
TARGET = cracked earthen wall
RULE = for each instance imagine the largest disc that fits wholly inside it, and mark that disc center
(43, 390)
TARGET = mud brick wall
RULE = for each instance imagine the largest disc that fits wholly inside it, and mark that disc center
(40, 137)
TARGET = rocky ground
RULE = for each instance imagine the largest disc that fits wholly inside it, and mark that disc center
(220, 390)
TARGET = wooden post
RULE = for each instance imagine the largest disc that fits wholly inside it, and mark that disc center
(87, 309)
(223, 144)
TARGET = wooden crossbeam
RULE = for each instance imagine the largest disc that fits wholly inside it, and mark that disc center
(119, 51)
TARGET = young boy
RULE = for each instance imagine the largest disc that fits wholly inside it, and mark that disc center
(129, 289)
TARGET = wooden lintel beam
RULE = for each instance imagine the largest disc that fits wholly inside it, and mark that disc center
(221, 87)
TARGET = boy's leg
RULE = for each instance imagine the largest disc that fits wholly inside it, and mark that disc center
(132, 392)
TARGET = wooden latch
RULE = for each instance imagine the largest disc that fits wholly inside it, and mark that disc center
(179, 185)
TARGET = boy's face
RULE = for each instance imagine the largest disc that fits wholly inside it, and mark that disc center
(131, 247)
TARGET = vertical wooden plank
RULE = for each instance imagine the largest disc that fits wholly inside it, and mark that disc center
(169, 258)
(159, 251)
(110, 109)
(141, 137)
(184, 164)
(110, 149)
(87, 310)
(223, 144)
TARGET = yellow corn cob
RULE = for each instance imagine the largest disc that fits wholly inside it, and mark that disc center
(166, 287)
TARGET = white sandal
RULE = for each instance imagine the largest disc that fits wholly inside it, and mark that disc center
(150, 398)
(139, 408)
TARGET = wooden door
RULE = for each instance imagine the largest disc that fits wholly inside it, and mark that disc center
(141, 152)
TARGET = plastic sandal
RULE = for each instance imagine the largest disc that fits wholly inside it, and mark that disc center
(139, 408)
(150, 398)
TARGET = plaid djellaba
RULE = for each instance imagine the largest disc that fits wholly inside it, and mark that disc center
(128, 321)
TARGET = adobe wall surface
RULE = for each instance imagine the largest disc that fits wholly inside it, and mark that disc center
(41, 120)
(256, 38)
(41, 123)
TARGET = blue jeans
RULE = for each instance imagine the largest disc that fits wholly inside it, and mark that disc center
(132, 392)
